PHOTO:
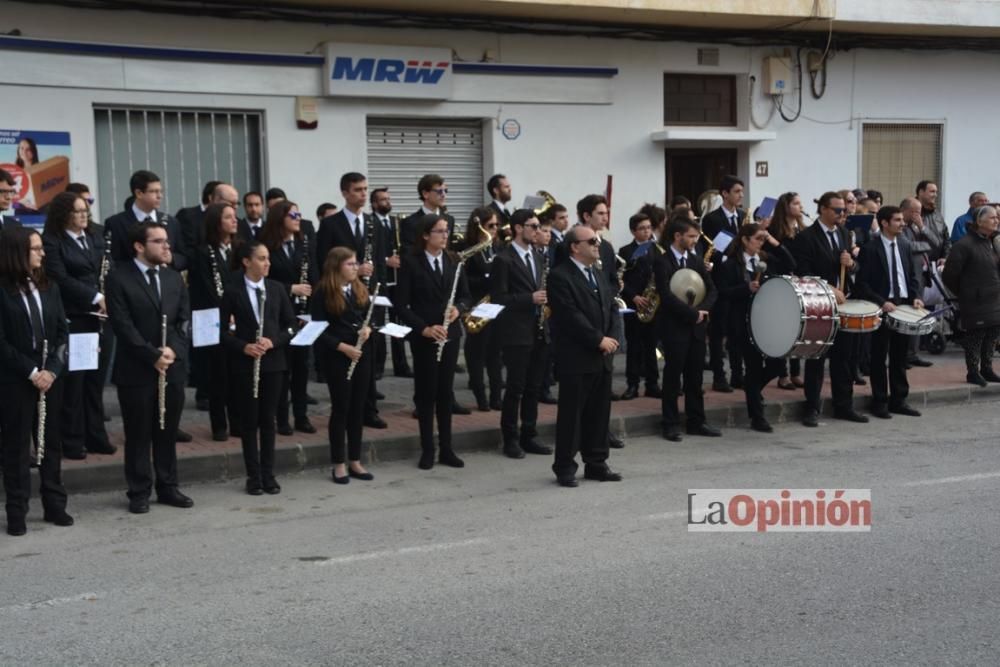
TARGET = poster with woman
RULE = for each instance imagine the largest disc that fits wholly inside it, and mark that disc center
(39, 162)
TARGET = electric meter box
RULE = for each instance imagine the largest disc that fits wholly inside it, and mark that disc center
(777, 75)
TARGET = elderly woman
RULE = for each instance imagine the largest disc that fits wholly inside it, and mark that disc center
(972, 272)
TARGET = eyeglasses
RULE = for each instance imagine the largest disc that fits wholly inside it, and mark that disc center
(7, 192)
(440, 191)
(592, 241)
(533, 225)
(295, 215)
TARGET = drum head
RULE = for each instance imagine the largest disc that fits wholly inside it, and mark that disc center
(776, 317)
(858, 307)
(909, 313)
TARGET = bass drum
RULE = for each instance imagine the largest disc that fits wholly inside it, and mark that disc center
(794, 318)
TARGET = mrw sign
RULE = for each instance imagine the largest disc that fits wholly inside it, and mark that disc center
(371, 70)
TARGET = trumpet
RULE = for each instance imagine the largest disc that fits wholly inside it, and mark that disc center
(260, 334)
(41, 410)
(368, 318)
(161, 386)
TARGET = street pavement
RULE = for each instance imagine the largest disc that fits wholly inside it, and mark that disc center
(496, 565)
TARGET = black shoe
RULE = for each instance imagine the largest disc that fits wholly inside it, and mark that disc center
(632, 391)
(810, 418)
(704, 429)
(512, 451)
(850, 415)
(16, 526)
(736, 382)
(346, 479)
(363, 476)
(375, 422)
(414, 414)
(672, 434)
(482, 404)
(58, 517)
(449, 458)
(102, 448)
(761, 425)
(881, 411)
(722, 387)
(989, 375)
(905, 409)
(616, 397)
(569, 481)
(917, 361)
(404, 372)
(533, 447)
(138, 505)
(459, 409)
(107, 419)
(604, 474)
(74, 455)
(312, 401)
(183, 436)
(653, 392)
(548, 399)
(303, 425)
(220, 436)
(379, 375)
(253, 487)
(426, 461)
(614, 442)
(460, 369)
(235, 433)
(859, 380)
(379, 396)
(974, 377)
(271, 486)
(496, 403)
(202, 405)
(174, 498)
(285, 429)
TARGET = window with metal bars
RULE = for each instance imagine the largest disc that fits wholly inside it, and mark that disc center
(184, 147)
(897, 156)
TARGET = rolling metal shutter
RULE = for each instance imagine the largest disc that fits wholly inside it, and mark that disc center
(400, 151)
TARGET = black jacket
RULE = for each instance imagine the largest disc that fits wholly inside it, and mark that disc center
(734, 287)
(972, 273)
(75, 270)
(336, 231)
(119, 225)
(609, 269)
(244, 232)
(716, 221)
(288, 270)
(675, 319)
(192, 224)
(343, 328)
(477, 271)
(279, 323)
(873, 281)
(206, 262)
(408, 232)
(814, 256)
(17, 354)
(8, 221)
(134, 311)
(511, 286)
(581, 317)
(421, 297)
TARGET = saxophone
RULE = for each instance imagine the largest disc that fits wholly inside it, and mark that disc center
(302, 301)
(620, 275)
(474, 325)
(707, 258)
(652, 297)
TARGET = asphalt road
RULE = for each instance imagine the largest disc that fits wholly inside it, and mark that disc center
(496, 565)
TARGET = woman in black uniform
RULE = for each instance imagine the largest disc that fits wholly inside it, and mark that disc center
(426, 280)
(342, 300)
(242, 302)
(482, 350)
(32, 321)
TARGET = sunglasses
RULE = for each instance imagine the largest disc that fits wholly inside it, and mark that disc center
(592, 241)
(440, 191)
(90, 200)
(839, 210)
(533, 226)
(295, 215)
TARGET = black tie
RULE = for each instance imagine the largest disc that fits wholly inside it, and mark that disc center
(260, 304)
(154, 283)
(683, 261)
(256, 232)
(437, 269)
(289, 248)
(83, 242)
(732, 222)
(531, 271)
(149, 220)
(358, 239)
(591, 279)
(833, 240)
(37, 331)
(895, 273)
(753, 267)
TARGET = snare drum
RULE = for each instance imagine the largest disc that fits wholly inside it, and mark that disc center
(793, 317)
(910, 321)
(858, 316)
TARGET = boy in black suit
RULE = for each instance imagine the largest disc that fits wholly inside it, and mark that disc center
(147, 192)
(433, 191)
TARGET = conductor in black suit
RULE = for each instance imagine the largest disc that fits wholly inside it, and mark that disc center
(821, 250)
(74, 255)
(588, 330)
(7, 191)
(887, 275)
(433, 193)
(141, 290)
(147, 191)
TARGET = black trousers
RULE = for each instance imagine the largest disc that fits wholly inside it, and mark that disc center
(889, 384)
(433, 384)
(257, 418)
(141, 419)
(683, 359)
(198, 372)
(81, 419)
(841, 355)
(758, 371)
(295, 381)
(18, 429)
(223, 402)
(482, 352)
(582, 420)
(526, 366)
(640, 352)
(347, 400)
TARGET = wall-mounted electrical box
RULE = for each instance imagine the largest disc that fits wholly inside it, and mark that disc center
(777, 75)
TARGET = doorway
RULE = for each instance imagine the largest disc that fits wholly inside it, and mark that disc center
(692, 171)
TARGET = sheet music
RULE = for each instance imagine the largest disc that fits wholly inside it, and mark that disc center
(204, 327)
(84, 351)
(395, 330)
(487, 311)
(309, 333)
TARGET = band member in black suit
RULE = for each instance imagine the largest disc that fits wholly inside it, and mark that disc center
(588, 329)
(821, 250)
(147, 193)
(381, 203)
(293, 264)
(433, 192)
(141, 290)
(74, 260)
(728, 217)
(499, 190)
(243, 303)
(342, 300)
(252, 225)
(192, 218)
(517, 282)
(887, 275)
(740, 278)
(640, 337)
(7, 191)
(213, 268)
(482, 349)
(31, 312)
(426, 280)
(543, 241)
(682, 329)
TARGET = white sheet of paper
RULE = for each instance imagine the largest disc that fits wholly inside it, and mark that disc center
(626, 311)
(309, 333)
(383, 301)
(395, 330)
(204, 327)
(84, 351)
(487, 311)
(306, 318)
(533, 202)
(722, 241)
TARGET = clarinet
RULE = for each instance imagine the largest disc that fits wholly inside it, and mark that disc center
(368, 318)
(260, 334)
(161, 388)
(545, 278)
(304, 271)
(215, 272)
(368, 249)
(105, 261)
(41, 409)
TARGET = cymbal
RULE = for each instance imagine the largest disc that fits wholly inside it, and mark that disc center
(687, 285)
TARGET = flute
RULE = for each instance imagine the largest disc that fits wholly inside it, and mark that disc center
(447, 310)
(162, 382)
(368, 318)
(260, 334)
(41, 409)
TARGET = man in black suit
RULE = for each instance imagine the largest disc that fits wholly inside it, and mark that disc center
(381, 202)
(499, 190)
(192, 218)
(433, 192)
(516, 278)
(682, 326)
(147, 191)
(640, 337)
(588, 330)
(249, 227)
(822, 250)
(141, 290)
(887, 275)
(8, 188)
(728, 217)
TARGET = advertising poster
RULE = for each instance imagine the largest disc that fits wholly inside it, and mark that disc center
(39, 162)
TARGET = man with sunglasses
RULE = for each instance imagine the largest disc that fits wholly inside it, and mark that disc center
(8, 188)
(822, 250)
(433, 192)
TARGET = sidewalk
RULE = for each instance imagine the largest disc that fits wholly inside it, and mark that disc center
(204, 460)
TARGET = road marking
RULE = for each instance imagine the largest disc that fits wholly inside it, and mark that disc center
(388, 553)
(675, 515)
(953, 480)
(54, 602)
